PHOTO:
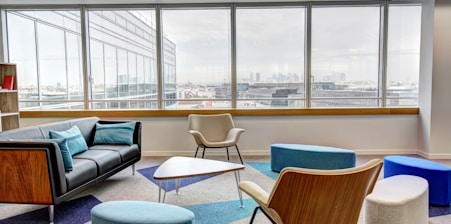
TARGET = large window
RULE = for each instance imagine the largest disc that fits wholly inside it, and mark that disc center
(122, 47)
(218, 56)
(270, 57)
(200, 73)
(46, 46)
(345, 56)
(403, 55)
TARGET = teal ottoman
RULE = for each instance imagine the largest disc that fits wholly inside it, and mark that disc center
(310, 157)
(140, 212)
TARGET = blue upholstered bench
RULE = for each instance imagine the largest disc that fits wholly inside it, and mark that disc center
(140, 212)
(311, 157)
(437, 175)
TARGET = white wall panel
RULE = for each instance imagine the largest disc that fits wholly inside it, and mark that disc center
(387, 134)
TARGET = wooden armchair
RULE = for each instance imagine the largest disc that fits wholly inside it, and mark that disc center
(316, 196)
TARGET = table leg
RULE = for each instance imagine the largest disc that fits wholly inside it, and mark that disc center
(160, 186)
(177, 186)
(159, 191)
(237, 179)
(164, 194)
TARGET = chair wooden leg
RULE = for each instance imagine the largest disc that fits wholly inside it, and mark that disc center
(239, 154)
(203, 153)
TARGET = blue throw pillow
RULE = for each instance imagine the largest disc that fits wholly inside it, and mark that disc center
(62, 143)
(75, 141)
(120, 133)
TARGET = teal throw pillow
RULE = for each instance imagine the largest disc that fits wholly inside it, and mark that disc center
(75, 140)
(120, 133)
(62, 143)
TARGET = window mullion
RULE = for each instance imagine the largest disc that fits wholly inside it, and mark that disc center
(159, 42)
(308, 56)
(383, 55)
(85, 55)
(233, 55)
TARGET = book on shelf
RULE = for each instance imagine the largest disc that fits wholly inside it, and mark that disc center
(8, 82)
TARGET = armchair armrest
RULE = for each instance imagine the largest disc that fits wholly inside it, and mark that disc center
(255, 191)
(234, 134)
(200, 140)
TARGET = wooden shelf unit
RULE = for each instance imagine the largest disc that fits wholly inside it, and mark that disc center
(9, 99)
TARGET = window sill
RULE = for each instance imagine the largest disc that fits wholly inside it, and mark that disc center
(234, 112)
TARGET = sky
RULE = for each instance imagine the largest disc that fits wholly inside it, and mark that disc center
(271, 41)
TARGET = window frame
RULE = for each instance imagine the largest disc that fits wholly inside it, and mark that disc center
(161, 111)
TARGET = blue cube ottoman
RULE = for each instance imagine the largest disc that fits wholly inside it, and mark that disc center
(140, 212)
(437, 175)
(310, 157)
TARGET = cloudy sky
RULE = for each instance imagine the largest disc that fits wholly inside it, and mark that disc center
(271, 41)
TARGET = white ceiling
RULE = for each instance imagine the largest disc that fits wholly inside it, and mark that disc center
(34, 2)
(60, 2)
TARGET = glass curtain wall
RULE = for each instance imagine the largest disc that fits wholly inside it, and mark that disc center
(270, 57)
(46, 47)
(123, 50)
(345, 56)
(226, 56)
(199, 72)
(403, 55)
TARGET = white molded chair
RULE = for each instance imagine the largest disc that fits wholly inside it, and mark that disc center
(214, 131)
(316, 196)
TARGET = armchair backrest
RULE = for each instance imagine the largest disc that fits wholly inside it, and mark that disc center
(323, 196)
(214, 127)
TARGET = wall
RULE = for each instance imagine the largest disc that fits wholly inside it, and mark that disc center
(435, 94)
(382, 134)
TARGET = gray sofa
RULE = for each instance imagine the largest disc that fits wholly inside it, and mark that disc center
(33, 172)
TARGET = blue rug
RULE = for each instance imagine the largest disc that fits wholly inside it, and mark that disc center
(222, 212)
(265, 168)
(170, 185)
(439, 210)
(71, 212)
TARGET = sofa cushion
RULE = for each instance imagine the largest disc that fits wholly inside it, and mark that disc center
(126, 152)
(105, 159)
(75, 140)
(84, 171)
(120, 133)
(65, 152)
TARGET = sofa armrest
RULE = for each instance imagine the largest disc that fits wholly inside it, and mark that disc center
(53, 161)
(31, 172)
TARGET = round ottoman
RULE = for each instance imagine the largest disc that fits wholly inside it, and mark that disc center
(139, 212)
(401, 199)
(310, 157)
(437, 175)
